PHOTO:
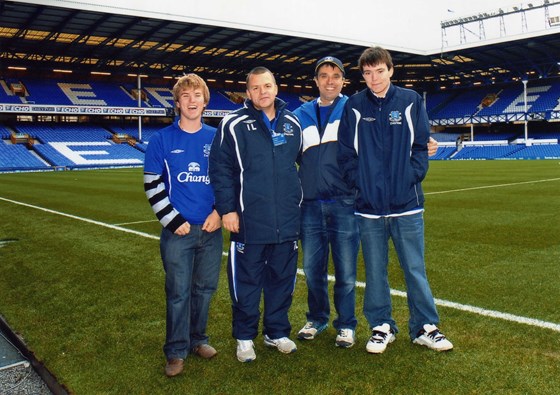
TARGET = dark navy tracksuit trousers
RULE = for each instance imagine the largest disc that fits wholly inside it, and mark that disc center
(255, 269)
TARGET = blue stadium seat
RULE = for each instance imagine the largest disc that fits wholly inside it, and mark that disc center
(544, 151)
(18, 157)
(487, 152)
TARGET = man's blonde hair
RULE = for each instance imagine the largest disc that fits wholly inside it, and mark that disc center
(189, 81)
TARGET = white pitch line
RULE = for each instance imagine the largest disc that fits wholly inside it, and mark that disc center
(439, 302)
(471, 309)
(491, 186)
(91, 221)
(136, 222)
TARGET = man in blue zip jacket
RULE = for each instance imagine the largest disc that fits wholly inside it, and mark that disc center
(383, 155)
(258, 195)
(327, 210)
(328, 222)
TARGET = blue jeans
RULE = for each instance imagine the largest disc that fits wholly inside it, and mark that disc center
(407, 233)
(331, 223)
(192, 266)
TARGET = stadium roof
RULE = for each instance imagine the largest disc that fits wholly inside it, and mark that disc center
(43, 38)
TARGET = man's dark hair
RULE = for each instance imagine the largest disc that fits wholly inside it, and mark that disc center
(373, 56)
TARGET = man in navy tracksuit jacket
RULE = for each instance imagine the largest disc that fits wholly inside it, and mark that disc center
(383, 155)
(258, 194)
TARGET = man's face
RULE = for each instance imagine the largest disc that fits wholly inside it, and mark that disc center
(329, 80)
(378, 78)
(262, 91)
(191, 103)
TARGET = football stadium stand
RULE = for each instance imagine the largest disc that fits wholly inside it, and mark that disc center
(132, 130)
(107, 143)
(484, 102)
(69, 146)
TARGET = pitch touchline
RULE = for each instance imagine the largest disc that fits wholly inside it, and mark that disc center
(91, 221)
(136, 222)
(471, 309)
(439, 302)
(491, 186)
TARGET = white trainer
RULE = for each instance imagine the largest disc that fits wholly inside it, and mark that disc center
(345, 338)
(283, 344)
(245, 351)
(310, 330)
(381, 336)
(431, 337)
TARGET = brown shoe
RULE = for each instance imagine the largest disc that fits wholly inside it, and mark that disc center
(174, 367)
(205, 351)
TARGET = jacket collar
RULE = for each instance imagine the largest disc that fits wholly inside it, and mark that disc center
(279, 106)
(379, 100)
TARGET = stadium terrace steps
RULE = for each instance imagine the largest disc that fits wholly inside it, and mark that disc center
(18, 157)
(132, 130)
(70, 146)
(45, 132)
(443, 153)
(465, 104)
(50, 92)
(490, 152)
(76, 145)
(441, 105)
(541, 98)
(5, 132)
(518, 151)
(541, 151)
(443, 137)
(6, 94)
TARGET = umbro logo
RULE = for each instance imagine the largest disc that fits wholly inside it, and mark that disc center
(369, 119)
(177, 151)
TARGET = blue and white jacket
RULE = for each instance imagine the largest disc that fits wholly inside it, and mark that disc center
(383, 150)
(255, 178)
(319, 172)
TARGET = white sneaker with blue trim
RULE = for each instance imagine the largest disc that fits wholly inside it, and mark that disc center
(310, 330)
(381, 336)
(431, 337)
(245, 351)
(283, 344)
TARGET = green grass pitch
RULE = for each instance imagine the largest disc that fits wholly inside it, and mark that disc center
(82, 283)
